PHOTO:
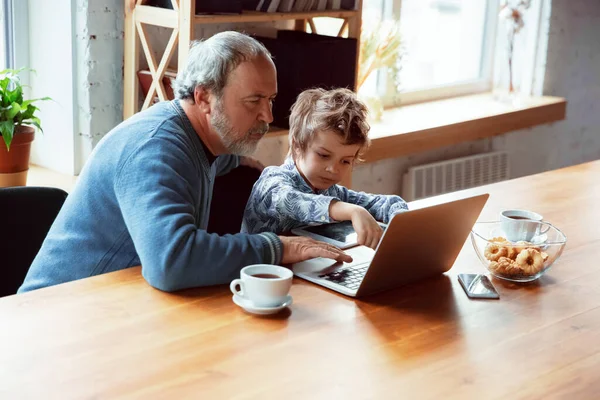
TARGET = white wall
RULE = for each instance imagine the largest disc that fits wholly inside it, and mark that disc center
(52, 56)
(76, 46)
(99, 48)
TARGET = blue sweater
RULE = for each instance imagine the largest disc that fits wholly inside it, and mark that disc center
(281, 200)
(144, 197)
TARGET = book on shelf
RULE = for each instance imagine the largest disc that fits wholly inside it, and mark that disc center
(349, 4)
(302, 5)
(334, 4)
(327, 62)
(266, 5)
(218, 6)
(286, 5)
(250, 4)
(205, 6)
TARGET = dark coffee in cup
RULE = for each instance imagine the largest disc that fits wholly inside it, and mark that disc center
(516, 217)
(266, 276)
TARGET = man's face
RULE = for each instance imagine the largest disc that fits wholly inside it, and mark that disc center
(242, 115)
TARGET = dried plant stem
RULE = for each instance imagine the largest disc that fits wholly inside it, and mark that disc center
(511, 44)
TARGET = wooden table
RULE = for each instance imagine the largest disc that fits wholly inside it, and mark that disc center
(113, 336)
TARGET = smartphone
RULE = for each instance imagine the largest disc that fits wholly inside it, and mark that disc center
(478, 286)
(340, 234)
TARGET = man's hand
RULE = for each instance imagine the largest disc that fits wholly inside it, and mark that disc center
(296, 249)
(367, 229)
(251, 162)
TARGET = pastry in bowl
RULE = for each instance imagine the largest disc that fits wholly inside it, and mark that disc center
(517, 261)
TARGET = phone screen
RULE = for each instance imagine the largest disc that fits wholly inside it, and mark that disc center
(478, 286)
(340, 231)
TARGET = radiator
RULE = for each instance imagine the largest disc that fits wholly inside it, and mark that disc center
(451, 175)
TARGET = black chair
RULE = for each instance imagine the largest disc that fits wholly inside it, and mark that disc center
(26, 214)
(230, 195)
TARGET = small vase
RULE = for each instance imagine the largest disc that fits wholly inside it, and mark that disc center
(505, 89)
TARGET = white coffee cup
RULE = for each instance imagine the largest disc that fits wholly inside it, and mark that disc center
(520, 225)
(264, 285)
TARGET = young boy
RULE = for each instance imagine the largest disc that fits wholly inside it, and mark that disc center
(328, 134)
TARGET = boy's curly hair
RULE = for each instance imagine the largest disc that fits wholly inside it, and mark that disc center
(339, 110)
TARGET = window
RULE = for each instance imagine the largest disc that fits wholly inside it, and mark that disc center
(14, 38)
(448, 47)
(4, 35)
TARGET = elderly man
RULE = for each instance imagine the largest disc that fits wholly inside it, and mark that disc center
(144, 195)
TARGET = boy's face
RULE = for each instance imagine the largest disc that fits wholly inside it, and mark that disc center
(327, 160)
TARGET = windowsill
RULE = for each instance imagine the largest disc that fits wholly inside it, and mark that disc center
(416, 128)
(426, 126)
(40, 176)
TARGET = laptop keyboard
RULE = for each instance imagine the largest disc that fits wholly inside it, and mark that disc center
(350, 277)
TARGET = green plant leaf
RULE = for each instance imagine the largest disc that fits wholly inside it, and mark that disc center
(15, 71)
(28, 113)
(14, 109)
(7, 128)
(15, 95)
(28, 102)
(36, 121)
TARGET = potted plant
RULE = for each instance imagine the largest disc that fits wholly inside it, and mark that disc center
(17, 121)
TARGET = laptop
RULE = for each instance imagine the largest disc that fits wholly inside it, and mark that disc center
(416, 245)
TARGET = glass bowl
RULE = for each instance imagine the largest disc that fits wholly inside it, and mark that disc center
(517, 261)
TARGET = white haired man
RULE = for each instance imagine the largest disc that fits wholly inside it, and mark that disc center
(144, 195)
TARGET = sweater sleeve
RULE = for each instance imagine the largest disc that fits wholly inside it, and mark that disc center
(276, 198)
(382, 207)
(155, 190)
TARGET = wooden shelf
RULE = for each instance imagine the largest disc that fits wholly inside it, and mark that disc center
(255, 16)
(183, 20)
(156, 16)
(415, 128)
(426, 126)
(169, 18)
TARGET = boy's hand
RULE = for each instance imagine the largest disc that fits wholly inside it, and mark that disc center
(296, 249)
(251, 162)
(368, 230)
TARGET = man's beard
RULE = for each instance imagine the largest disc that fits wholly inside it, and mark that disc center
(235, 142)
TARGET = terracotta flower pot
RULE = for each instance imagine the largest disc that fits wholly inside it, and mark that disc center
(14, 164)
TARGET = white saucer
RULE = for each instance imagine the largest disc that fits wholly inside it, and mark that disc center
(251, 308)
(540, 239)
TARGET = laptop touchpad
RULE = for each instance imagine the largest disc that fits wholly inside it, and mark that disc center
(359, 254)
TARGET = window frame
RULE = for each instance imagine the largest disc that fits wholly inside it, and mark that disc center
(391, 98)
(15, 21)
(5, 34)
